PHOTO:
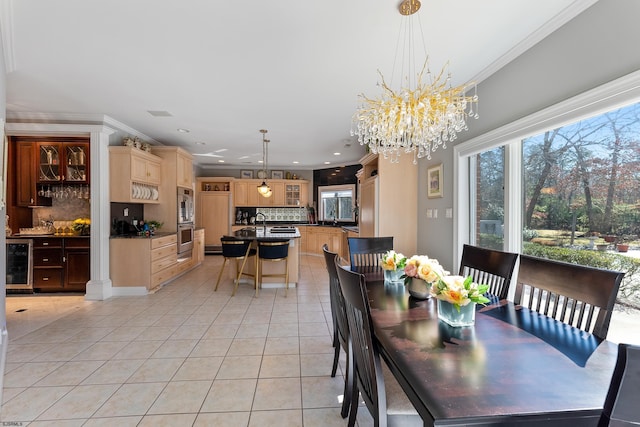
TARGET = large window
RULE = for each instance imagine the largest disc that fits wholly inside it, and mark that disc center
(336, 203)
(570, 177)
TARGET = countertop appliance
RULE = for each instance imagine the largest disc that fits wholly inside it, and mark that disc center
(19, 264)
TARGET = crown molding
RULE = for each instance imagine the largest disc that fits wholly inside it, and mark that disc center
(6, 34)
(567, 14)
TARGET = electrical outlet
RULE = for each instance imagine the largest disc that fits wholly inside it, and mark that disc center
(125, 212)
(448, 213)
(435, 213)
(429, 213)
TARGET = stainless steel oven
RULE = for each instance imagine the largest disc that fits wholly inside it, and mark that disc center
(185, 240)
(19, 264)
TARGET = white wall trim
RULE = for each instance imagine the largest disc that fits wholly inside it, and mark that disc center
(129, 291)
(609, 96)
(6, 25)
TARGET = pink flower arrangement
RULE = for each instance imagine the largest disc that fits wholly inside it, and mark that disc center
(425, 268)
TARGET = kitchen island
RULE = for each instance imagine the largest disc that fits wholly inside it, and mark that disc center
(274, 233)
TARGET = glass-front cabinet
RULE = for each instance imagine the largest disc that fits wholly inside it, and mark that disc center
(63, 162)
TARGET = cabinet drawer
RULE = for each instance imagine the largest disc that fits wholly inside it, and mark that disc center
(163, 252)
(47, 258)
(77, 242)
(47, 278)
(162, 263)
(163, 276)
(164, 241)
(47, 243)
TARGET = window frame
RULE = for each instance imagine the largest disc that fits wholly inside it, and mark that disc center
(336, 188)
(607, 97)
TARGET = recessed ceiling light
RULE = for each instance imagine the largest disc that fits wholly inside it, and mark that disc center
(259, 161)
(295, 162)
(327, 163)
(200, 143)
(336, 154)
(243, 157)
(220, 161)
(182, 130)
(159, 113)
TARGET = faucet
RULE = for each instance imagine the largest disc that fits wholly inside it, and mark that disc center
(264, 222)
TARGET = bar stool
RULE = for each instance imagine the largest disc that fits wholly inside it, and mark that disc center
(238, 249)
(274, 251)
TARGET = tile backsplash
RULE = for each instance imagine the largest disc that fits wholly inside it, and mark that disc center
(62, 210)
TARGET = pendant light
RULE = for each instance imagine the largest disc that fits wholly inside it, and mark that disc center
(264, 189)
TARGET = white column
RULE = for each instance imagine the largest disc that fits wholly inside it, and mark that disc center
(99, 287)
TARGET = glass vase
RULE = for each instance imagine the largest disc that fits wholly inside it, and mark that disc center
(419, 288)
(449, 314)
(393, 276)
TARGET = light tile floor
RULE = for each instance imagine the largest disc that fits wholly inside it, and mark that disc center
(184, 356)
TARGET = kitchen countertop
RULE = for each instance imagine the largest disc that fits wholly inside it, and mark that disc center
(154, 236)
(255, 233)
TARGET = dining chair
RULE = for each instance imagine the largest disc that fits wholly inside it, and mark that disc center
(489, 267)
(340, 327)
(236, 249)
(367, 251)
(385, 399)
(621, 404)
(272, 251)
(574, 294)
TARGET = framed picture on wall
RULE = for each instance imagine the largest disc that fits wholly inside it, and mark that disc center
(246, 174)
(434, 181)
(277, 174)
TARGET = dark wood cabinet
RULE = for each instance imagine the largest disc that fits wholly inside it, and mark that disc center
(62, 162)
(61, 264)
(77, 259)
(26, 182)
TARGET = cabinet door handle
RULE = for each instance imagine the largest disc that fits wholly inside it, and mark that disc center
(45, 243)
(64, 259)
(44, 279)
(45, 259)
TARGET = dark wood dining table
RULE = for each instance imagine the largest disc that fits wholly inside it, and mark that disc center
(513, 367)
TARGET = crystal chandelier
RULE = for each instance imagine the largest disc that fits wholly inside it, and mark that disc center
(415, 120)
(264, 189)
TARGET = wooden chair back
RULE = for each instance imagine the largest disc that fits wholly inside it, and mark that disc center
(367, 251)
(489, 267)
(577, 295)
(340, 327)
(621, 404)
(368, 371)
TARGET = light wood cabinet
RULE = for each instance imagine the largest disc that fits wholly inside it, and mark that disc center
(317, 236)
(285, 192)
(381, 202)
(147, 262)
(184, 170)
(135, 176)
(173, 165)
(245, 193)
(199, 236)
(144, 170)
(214, 215)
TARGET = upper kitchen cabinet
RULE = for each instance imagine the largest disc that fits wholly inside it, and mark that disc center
(177, 165)
(134, 175)
(296, 194)
(63, 162)
(26, 182)
(284, 193)
(177, 171)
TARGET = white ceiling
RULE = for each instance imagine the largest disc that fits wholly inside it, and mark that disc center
(225, 69)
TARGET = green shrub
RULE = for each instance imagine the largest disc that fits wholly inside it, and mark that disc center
(491, 241)
(630, 286)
